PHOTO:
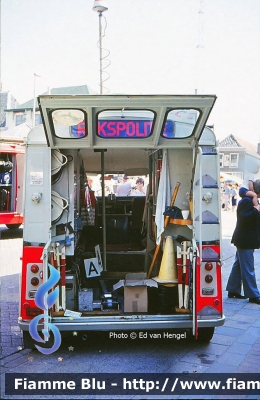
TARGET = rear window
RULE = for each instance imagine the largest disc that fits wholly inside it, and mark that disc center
(180, 123)
(69, 123)
(126, 124)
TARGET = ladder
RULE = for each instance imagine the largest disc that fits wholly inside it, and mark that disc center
(206, 218)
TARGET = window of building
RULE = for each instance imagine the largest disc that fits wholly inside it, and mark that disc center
(226, 160)
(19, 119)
(221, 160)
(233, 161)
(38, 119)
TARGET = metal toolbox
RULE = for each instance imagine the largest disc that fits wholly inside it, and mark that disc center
(86, 300)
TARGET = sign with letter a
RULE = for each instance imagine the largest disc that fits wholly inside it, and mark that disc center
(92, 267)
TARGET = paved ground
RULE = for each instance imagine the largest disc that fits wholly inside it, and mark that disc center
(235, 346)
(10, 265)
(242, 326)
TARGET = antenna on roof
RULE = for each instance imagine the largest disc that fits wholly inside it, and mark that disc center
(100, 6)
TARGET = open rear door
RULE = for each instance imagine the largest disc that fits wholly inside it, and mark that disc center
(148, 121)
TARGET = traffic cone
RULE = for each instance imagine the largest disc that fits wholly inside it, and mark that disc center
(168, 268)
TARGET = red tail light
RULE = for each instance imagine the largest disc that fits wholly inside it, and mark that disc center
(208, 266)
(34, 268)
(35, 281)
(208, 278)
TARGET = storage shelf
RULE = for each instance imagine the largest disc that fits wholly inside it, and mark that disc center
(180, 221)
(116, 215)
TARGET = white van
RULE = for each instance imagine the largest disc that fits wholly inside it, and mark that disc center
(123, 263)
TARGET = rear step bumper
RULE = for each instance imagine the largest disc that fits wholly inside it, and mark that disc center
(125, 323)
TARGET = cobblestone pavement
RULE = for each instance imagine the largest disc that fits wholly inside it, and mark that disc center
(235, 346)
(10, 265)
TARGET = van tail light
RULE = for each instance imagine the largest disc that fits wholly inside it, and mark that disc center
(208, 278)
(31, 311)
(35, 281)
(31, 279)
(34, 268)
(208, 266)
(209, 282)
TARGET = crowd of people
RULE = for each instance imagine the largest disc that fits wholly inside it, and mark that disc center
(230, 196)
(231, 193)
(119, 186)
(126, 188)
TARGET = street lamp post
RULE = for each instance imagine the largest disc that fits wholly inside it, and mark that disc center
(34, 99)
(99, 6)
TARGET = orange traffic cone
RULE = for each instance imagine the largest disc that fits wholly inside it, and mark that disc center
(168, 268)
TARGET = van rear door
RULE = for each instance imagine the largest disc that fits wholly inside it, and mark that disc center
(83, 121)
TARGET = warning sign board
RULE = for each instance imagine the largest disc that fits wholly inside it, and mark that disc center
(92, 267)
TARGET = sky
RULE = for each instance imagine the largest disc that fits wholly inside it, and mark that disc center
(155, 47)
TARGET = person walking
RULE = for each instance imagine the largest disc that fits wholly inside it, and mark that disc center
(234, 195)
(227, 194)
(246, 238)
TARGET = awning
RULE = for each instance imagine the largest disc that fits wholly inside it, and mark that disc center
(18, 134)
(224, 177)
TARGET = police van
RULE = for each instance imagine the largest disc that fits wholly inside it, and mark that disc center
(95, 261)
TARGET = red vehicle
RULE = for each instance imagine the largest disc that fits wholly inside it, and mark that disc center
(11, 184)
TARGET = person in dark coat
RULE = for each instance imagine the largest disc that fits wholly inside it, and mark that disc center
(246, 238)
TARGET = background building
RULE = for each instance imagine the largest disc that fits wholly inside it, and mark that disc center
(15, 114)
(238, 157)
(6, 101)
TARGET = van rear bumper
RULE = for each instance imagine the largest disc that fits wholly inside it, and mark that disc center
(126, 323)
